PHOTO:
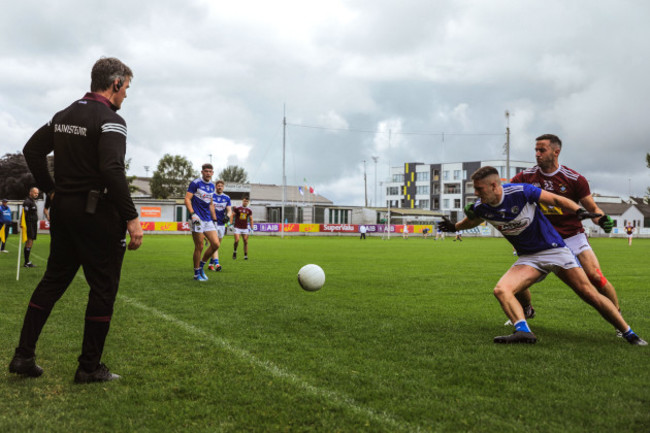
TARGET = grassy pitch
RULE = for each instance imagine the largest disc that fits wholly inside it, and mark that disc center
(399, 339)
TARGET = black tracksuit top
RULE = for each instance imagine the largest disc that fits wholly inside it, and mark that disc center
(89, 143)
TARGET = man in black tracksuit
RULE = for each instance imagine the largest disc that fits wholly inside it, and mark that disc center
(91, 212)
(31, 222)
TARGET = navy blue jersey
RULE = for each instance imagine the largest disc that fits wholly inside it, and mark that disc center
(202, 197)
(520, 220)
(221, 202)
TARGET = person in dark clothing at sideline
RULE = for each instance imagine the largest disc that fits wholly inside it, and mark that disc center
(91, 212)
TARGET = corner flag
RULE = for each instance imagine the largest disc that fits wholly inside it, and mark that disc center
(23, 228)
(3, 236)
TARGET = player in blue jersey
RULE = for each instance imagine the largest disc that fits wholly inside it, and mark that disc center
(198, 200)
(223, 210)
(513, 210)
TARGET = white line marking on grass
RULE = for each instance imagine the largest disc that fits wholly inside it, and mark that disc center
(275, 371)
(333, 396)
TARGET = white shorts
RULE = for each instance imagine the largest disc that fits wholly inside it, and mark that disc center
(205, 226)
(550, 260)
(578, 244)
(221, 231)
(241, 231)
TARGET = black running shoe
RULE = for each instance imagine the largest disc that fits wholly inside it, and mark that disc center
(234, 256)
(29, 265)
(25, 366)
(636, 340)
(101, 374)
(518, 337)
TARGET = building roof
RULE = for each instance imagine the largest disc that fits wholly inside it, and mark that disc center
(270, 192)
(614, 208)
(645, 209)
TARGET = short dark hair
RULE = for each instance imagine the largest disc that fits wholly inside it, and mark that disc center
(554, 139)
(220, 181)
(207, 167)
(484, 172)
(246, 198)
(105, 71)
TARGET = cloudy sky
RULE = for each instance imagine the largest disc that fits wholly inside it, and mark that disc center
(409, 80)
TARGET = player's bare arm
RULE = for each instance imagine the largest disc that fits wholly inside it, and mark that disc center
(188, 202)
(213, 212)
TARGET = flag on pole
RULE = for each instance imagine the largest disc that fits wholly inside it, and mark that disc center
(23, 228)
(3, 236)
(312, 190)
(301, 191)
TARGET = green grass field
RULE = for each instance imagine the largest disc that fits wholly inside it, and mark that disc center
(398, 340)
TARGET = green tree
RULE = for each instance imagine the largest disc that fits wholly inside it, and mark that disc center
(171, 177)
(16, 178)
(233, 174)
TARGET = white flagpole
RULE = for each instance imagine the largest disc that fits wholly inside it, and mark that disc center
(20, 247)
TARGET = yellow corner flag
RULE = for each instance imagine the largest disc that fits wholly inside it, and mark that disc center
(23, 228)
(3, 236)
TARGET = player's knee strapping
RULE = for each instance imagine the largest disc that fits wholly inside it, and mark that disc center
(598, 280)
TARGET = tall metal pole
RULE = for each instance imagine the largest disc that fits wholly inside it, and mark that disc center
(507, 146)
(375, 158)
(365, 182)
(284, 177)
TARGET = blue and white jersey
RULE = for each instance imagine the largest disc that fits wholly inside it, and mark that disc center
(203, 192)
(520, 220)
(221, 202)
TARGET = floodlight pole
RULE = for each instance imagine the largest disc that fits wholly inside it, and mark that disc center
(365, 183)
(284, 177)
(375, 158)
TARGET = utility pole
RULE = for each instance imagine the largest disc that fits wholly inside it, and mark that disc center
(507, 146)
(375, 158)
(365, 182)
(146, 170)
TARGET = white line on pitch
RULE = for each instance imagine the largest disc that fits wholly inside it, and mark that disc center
(276, 371)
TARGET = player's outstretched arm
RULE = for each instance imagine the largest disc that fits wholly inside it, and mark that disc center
(605, 221)
(550, 199)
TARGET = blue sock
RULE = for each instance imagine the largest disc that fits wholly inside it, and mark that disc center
(627, 334)
(197, 271)
(522, 325)
(201, 264)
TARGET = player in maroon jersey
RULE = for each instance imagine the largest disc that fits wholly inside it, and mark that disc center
(242, 219)
(629, 229)
(549, 175)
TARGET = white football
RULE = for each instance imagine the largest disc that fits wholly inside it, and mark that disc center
(311, 277)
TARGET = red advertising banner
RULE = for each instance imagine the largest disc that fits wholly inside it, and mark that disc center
(292, 227)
